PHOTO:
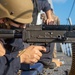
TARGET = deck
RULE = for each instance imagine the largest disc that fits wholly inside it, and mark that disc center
(60, 70)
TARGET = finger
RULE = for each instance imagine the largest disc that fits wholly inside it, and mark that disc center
(51, 23)
(41, 48)
(38, 53)
(47, 22)
(34, 61)
(36, 56)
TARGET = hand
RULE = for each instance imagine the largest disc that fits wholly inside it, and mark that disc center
(2, 49)
(49, 21)
(32, 54)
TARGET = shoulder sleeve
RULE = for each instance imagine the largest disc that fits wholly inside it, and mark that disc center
(9, 64)
(44, 5)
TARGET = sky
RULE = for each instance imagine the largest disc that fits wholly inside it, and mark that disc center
(62, 9)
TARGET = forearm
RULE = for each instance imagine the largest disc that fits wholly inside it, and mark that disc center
(48, 14)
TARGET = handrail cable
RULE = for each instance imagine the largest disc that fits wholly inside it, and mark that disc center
(71, 8)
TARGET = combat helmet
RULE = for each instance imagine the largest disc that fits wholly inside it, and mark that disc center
(17, 10)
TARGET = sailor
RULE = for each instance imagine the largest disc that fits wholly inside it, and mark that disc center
(16, 14)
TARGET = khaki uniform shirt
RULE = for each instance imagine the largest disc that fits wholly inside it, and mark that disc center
(56, 19)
